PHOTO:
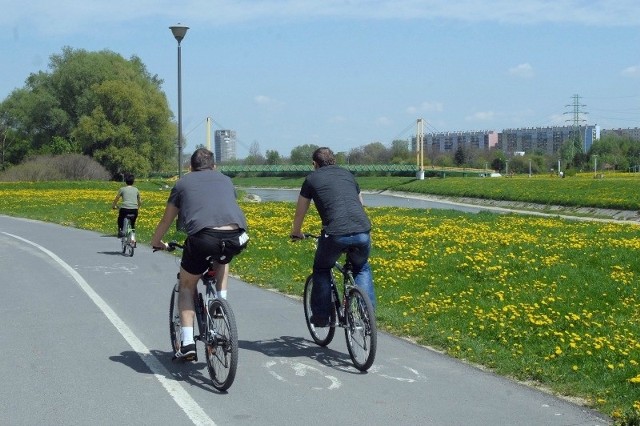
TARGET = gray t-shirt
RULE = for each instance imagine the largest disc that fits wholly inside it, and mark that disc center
(335, 193)
(206, 199)
(129, 196)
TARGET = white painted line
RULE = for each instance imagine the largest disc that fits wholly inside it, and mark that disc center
(177, 392)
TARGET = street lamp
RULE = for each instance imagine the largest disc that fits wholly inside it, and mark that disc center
(595, 166)
(179, 31)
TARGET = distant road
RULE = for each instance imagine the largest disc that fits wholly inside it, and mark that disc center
(85, 332)
(468, 205)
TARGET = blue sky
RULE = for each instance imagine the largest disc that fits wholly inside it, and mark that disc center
(343, 74)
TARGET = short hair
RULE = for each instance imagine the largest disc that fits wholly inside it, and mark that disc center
(202, 159)
(129, 179)
(323, 157)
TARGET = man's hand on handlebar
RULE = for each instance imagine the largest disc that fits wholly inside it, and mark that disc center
(171, 246)
(302, 236)
(163, 246)
(296, 236)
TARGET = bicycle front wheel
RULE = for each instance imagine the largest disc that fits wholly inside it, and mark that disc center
(221, 344)
(360, 331)
(321, 335)
(174, 320)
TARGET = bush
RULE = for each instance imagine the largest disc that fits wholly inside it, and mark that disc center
(58, 167)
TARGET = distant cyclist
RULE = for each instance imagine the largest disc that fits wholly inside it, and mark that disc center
(130, 203)
(205, 201)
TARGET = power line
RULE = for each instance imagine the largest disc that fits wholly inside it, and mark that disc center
(577, 120)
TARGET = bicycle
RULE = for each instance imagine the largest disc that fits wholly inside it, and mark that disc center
(352, 311)
(216, 327)
(128, 238)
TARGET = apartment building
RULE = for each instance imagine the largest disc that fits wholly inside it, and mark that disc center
(225, 145)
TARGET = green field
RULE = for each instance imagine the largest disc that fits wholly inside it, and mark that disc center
(548, 301)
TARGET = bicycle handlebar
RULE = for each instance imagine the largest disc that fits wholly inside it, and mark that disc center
(304, 237)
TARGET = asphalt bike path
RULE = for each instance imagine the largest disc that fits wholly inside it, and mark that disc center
(86, 342)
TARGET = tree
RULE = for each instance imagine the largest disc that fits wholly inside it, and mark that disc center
(94, 103)
(400, 153)
(460, 156)
(615, 152)
(373, 153)
(499, 161)
(273, 157)
(302, 154)
(255, 156)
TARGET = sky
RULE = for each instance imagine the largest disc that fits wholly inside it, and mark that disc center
(347, 73)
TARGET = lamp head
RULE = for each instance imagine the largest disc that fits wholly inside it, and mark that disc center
(179, 31)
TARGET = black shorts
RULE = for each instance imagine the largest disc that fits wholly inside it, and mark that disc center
(222, 246)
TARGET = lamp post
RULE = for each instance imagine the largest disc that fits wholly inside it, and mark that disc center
(595, 166)
(179, 31)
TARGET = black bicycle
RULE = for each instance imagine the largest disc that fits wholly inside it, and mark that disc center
(352, 311)
(216, 327)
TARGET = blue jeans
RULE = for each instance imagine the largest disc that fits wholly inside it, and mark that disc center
(330, 247)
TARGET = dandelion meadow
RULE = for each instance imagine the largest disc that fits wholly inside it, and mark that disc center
(549, 301)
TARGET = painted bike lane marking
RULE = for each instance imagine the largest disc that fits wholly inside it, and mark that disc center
(195, 413)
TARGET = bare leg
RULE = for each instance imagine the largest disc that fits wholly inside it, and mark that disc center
(187, 292)
(222, 274)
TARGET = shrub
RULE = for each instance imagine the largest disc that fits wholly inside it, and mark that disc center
(58, 167)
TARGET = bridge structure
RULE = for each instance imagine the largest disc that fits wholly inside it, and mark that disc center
(357, 169)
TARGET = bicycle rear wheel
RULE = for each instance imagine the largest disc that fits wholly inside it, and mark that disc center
(125, 235)
(360, 331)
(221, 344)
(321, 335)
(174, 320)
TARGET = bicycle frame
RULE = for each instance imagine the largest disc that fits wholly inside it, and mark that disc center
(202, 299)
(347, 283)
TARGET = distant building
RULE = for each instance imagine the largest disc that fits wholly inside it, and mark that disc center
(547, 140)
(225, 145)
(632, 133)
(450, 141)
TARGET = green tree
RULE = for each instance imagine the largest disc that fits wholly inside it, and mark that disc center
(302, 154)
(273, 157)
(460, 156)
(616, 152)
(400, 153)
(94, 103)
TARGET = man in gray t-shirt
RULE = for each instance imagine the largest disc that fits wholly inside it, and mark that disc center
(345, 226)
(205, 202)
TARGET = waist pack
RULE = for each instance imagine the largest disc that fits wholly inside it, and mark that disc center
(230, 247)
(223, 245)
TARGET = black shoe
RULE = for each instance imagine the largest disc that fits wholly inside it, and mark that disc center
(187, 352)
(319, 321)
(120, 234)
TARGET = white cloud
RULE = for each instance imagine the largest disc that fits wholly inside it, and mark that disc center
(523, 71)
(633, 71)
